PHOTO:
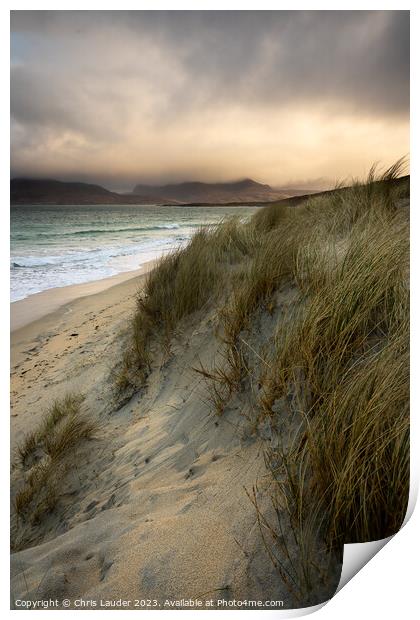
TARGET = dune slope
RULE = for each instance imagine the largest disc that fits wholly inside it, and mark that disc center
(155, 505)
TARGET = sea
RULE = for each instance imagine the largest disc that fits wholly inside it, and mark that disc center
(55, 246)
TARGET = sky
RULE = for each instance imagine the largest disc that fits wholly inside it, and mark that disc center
(289, 98)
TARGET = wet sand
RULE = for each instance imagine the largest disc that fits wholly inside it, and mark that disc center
(34, 307)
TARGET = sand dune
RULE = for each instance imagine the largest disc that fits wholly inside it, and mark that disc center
(155, 505)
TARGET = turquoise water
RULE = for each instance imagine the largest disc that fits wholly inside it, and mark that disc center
(54, 246)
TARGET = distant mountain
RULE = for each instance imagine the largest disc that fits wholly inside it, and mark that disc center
(45, 191)
(245, 190)
(49, 191)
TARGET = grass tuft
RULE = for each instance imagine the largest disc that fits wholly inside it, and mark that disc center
(44, 456)
(182, 283)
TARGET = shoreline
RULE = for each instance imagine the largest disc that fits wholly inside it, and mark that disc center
(24, 312)
(70, 349)
(37, 304)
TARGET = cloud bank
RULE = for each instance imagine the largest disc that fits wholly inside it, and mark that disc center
(151, 96)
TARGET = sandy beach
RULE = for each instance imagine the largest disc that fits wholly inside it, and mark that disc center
(43, 342)
(34, 307)
(155, 507)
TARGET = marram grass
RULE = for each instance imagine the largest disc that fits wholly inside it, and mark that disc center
(337, 360)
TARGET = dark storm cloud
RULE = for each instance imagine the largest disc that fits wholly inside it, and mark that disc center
(83, 81)
(358, 57)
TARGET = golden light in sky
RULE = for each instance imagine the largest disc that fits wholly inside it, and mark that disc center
(282, 97)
